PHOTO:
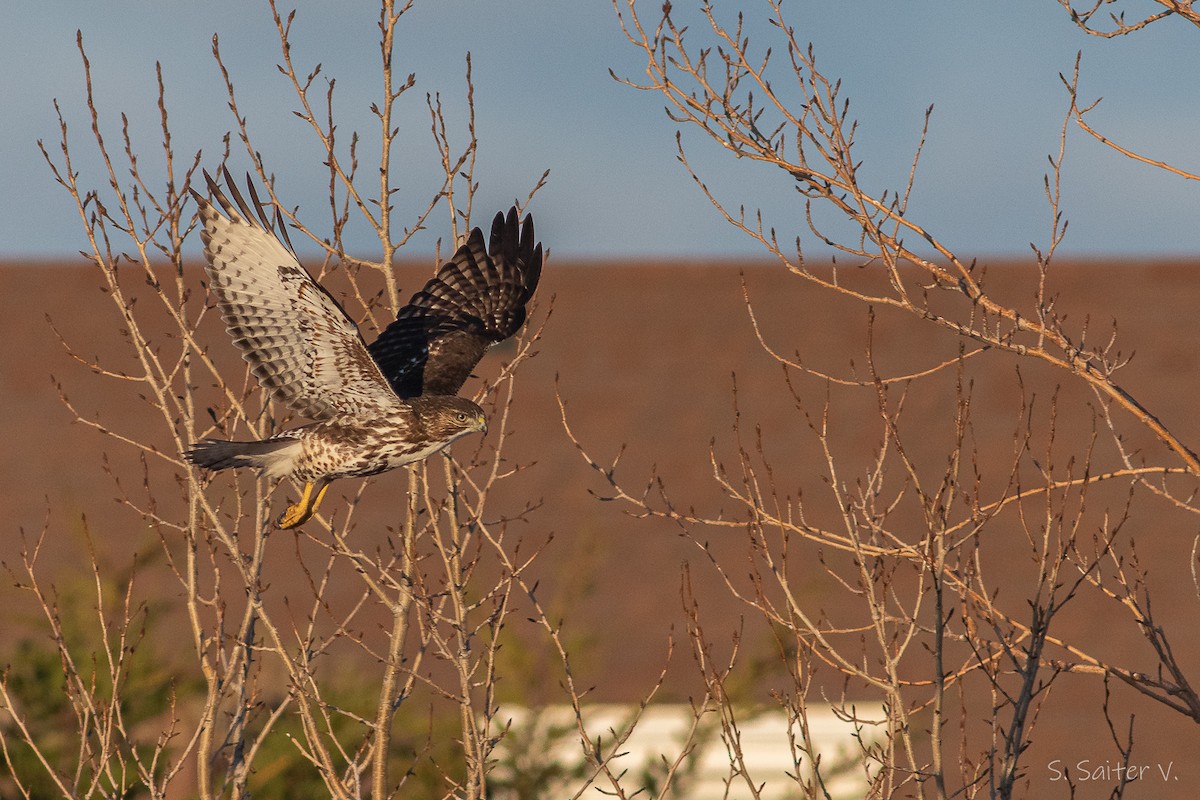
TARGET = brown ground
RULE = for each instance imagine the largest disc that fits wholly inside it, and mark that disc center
(645, 356)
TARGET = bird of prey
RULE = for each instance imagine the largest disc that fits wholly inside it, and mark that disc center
(374, 407)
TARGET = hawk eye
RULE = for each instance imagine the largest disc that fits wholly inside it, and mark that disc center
(462, 416)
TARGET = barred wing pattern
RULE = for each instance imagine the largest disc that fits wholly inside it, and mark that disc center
(299, 342)
(476, 300)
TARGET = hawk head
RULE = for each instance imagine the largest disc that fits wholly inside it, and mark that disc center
(448, 417)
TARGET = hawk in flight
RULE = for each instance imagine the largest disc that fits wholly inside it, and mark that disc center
(375, 407)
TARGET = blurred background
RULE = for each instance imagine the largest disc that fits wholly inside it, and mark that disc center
(648, 287)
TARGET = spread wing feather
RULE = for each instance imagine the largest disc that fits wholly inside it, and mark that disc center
(299, 342)
(476, 299)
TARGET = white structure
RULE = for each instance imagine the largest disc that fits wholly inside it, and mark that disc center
(544, 748)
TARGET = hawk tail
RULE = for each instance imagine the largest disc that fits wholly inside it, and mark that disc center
(273, 456)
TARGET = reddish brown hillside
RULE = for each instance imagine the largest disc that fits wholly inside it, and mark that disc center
(645, 356)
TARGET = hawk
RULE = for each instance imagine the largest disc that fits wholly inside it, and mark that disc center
(375, 407)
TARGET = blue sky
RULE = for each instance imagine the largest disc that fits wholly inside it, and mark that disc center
(544, 100)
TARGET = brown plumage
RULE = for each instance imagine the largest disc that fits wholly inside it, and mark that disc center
(477, 299)
(375, 408)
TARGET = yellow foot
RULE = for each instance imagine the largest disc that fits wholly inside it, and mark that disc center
(295, 515)
(303, 510)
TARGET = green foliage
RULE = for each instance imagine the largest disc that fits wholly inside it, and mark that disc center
(424, 749)
(35, 675)
(66, 683)
(527, 768)
(152, 683)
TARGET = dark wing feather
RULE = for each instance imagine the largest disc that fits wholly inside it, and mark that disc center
(299, 342)
(477, 299)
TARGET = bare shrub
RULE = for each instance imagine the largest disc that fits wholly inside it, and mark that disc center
(257, 700)
(922, 608)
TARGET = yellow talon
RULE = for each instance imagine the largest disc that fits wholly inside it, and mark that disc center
(303, 510)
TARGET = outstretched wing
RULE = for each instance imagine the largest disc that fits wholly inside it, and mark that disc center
(477, 299)
(299, 342)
